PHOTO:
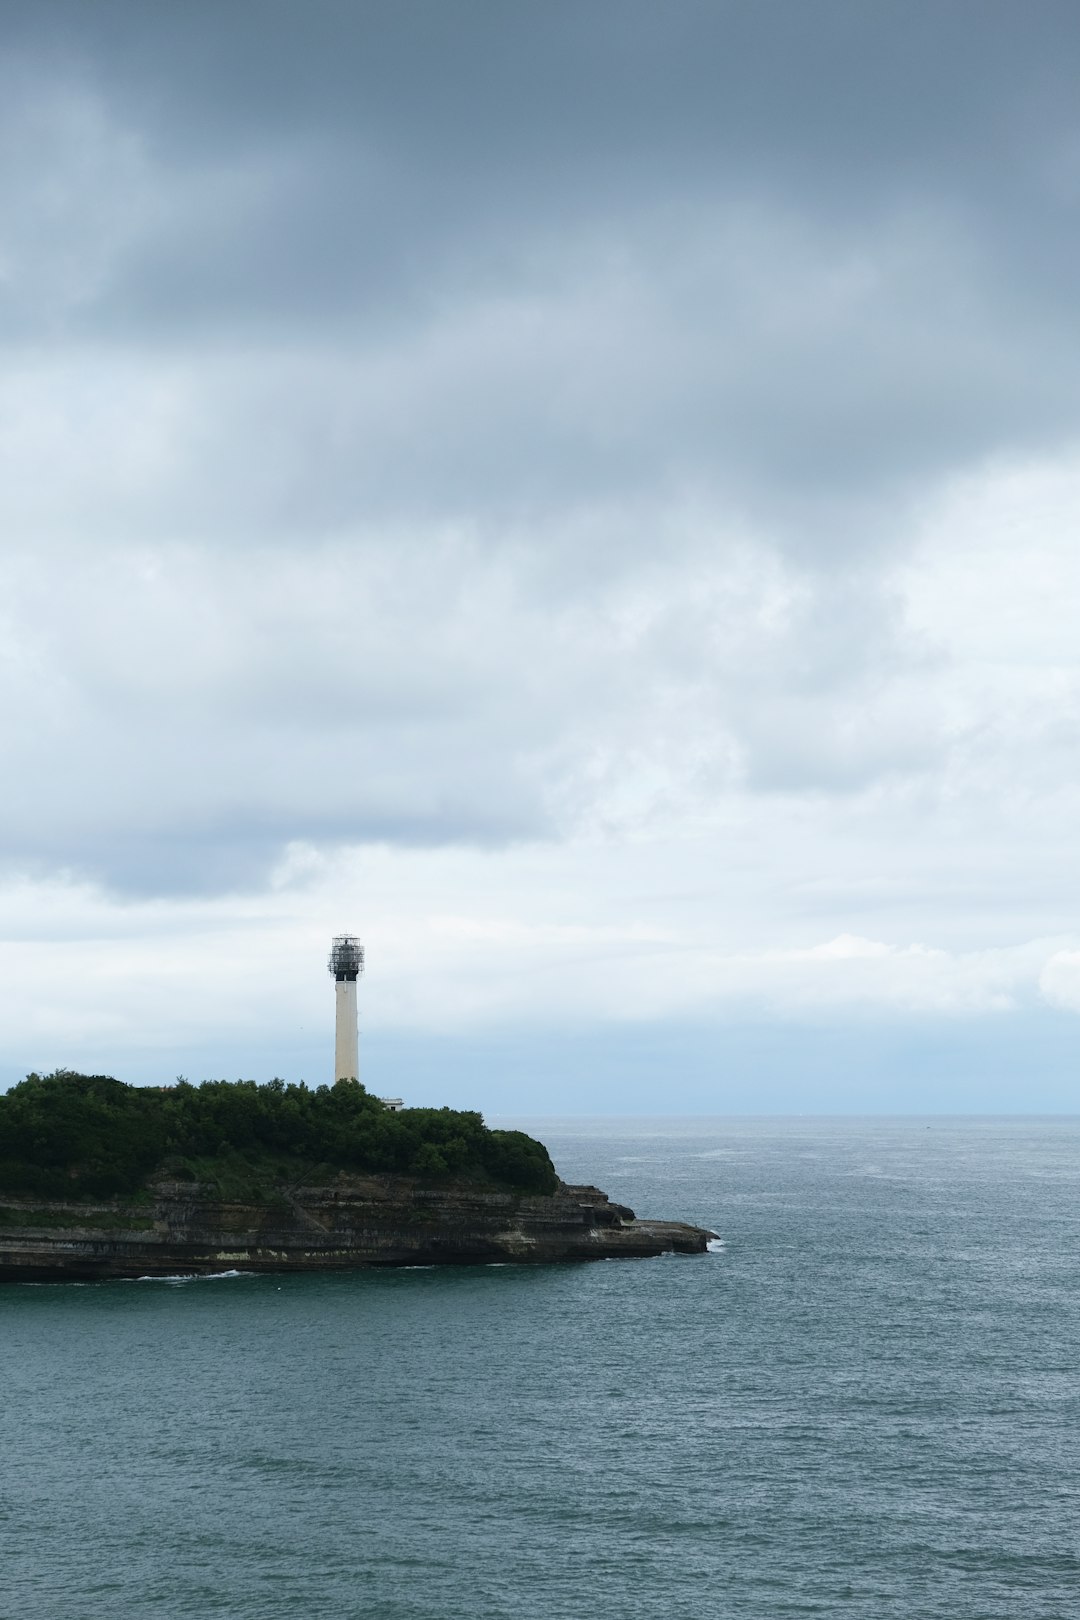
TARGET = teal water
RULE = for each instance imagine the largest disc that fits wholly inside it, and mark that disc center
(866, 1404)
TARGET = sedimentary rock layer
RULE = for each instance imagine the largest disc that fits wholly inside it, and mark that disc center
(182, 1227)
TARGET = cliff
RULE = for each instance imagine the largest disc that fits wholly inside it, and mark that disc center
(180, 1227)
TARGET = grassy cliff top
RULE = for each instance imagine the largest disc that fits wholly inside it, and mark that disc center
(68, 1135)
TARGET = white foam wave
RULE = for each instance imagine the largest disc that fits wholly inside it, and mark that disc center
(192, 1276)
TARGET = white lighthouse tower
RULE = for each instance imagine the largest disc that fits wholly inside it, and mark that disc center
(346, 964)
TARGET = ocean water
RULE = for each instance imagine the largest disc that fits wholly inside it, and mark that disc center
(866, 1403)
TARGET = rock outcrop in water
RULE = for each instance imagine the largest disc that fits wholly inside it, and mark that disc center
(352, 1222)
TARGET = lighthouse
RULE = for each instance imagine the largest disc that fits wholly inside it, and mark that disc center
(346, 964)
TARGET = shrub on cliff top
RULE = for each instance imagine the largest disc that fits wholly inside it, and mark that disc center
(65, 1133)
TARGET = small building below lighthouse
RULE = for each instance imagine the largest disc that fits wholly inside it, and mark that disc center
(346, 964)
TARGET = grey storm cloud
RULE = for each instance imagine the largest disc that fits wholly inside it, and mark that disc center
(475, 258)
(446, 423)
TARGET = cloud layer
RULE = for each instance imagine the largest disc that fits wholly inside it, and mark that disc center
(631, 458)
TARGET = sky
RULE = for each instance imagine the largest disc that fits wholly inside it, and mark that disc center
(585, 496)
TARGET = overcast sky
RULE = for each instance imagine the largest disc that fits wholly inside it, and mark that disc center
(584, 494)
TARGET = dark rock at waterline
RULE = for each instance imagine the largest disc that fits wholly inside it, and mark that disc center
(353, 1222)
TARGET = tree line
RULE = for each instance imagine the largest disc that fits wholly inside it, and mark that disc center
(67, 1134)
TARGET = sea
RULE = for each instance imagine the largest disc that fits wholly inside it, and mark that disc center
(864, 1401)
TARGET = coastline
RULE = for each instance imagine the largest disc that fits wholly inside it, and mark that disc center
(348, 1224)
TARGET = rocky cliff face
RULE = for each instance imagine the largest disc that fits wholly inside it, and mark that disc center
(370, 1221)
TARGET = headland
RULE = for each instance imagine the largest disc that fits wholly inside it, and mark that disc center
(102, 1180)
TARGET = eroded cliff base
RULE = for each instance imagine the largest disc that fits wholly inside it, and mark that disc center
(180, 1227)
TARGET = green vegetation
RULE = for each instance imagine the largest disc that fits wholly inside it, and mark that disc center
(69, 1135)
(102, 1220)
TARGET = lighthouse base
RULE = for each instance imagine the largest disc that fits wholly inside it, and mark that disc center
(346, 1046)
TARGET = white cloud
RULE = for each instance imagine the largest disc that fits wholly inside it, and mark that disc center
(746, 797)
(638, 593)
(1059, 980)
(529, 943)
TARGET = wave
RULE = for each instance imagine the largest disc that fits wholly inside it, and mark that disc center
(192, 1276)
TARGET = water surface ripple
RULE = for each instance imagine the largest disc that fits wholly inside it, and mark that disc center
(866, 1404)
